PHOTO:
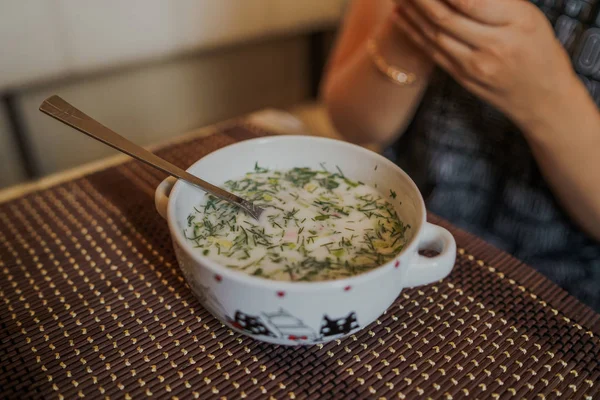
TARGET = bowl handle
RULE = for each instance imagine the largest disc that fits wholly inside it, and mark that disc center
(425, 270)
(161, 196)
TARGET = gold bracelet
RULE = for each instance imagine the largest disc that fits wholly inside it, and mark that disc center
(396, 75)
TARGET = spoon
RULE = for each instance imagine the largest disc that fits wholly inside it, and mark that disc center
(59, 109)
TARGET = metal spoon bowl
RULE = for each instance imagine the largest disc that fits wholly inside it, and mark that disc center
(59, 109)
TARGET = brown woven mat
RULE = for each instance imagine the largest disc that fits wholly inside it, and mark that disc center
(93, 304)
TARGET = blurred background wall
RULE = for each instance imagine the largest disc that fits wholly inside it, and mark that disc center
(150, 69)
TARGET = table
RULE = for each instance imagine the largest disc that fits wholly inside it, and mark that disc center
(93, 305)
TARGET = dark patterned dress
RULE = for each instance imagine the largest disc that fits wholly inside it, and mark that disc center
(475, 168)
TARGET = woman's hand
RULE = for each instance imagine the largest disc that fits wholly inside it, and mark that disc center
(505, 52)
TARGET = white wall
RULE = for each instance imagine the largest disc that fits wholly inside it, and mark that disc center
(150, 103)
(150, 69)
(41, 40)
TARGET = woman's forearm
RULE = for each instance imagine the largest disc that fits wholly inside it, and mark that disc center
(364, 106)
(565, 140)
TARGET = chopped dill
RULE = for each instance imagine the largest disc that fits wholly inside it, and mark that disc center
(318, 225)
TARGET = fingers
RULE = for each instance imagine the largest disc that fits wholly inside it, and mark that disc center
(439, 19)
(411, 28)
(431, 40)
(458, 59)
(491, 12)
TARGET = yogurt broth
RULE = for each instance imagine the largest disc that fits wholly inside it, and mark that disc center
(317, 225)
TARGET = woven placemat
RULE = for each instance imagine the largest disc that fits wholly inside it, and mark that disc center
(93, 304)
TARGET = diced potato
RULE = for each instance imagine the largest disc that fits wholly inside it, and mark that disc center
(221, 242)
(338, 252)
(310, 187)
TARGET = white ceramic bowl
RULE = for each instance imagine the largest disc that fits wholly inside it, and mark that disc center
(292, 313)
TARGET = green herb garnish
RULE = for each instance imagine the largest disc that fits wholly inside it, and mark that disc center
(304, 209)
